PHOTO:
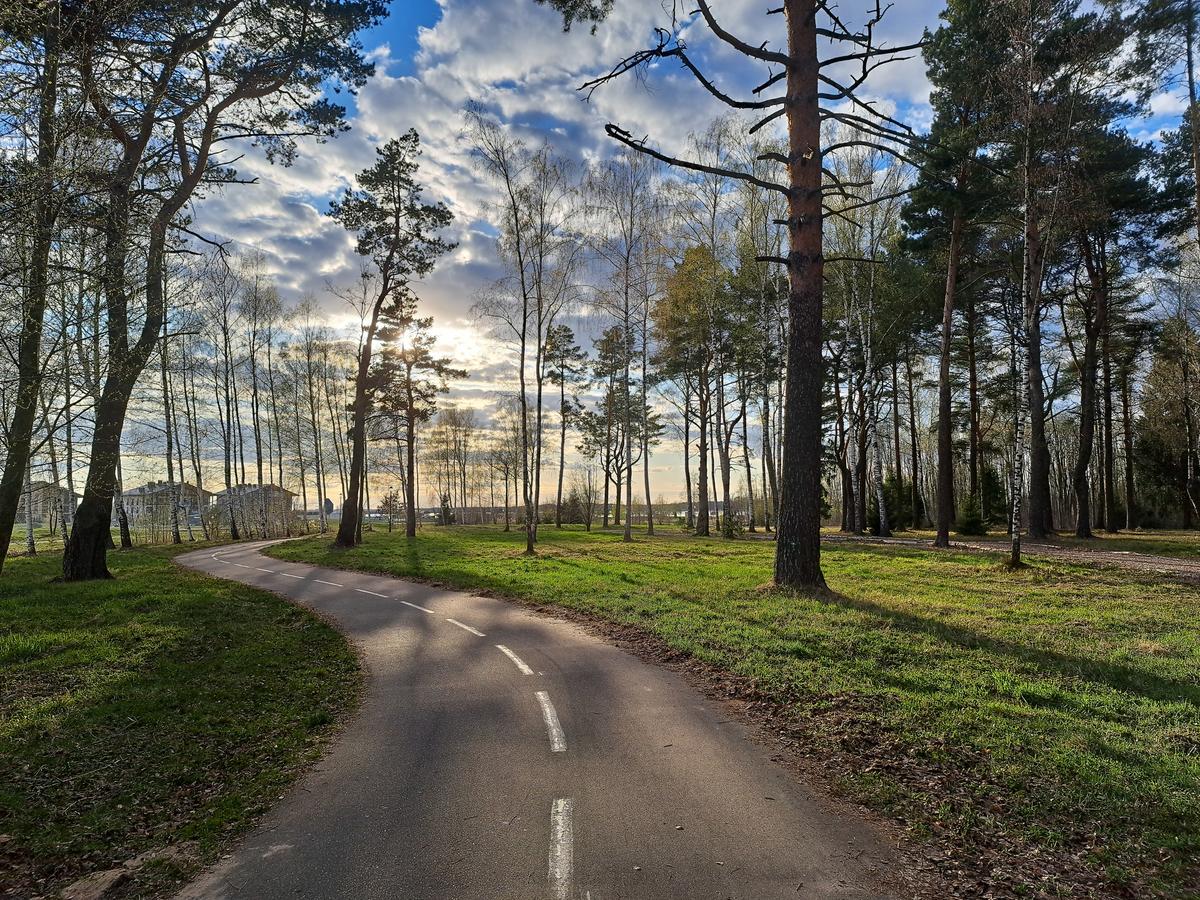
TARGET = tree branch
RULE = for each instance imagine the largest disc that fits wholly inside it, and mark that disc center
(620, 134)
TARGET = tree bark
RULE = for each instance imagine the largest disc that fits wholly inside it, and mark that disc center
(750, 524)
(945, 492)
(769, 457)
(973, 402)
(410, 462)
(702, 515)
(349, 531)
(918, 512)
(1193, 109)
(168, 423)
(1087, 435)
(85, 556)
(29, 343)
(1110, 501)
(644, 412)
(1127, 437)
(798, 544)
(562, 444)
(687, 461)
(898, 450)
(1041, 519)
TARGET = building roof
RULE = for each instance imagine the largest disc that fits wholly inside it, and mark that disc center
(159, 487)
(244, 489)
(42, 486)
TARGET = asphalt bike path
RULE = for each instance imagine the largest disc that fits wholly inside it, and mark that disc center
(501, 754)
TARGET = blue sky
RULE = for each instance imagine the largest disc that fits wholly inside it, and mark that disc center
(399, 31)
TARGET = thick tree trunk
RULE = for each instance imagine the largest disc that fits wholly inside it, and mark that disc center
(349, 530)
(85, 555)
(798, 545)
(702, 515)
(1193, 108)
(945, 473)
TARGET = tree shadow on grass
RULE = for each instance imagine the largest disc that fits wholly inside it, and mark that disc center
(1122, 678)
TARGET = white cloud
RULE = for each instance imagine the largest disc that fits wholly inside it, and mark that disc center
(513, 56)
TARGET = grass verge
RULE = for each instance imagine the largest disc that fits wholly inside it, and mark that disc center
(161, 708)
(1174, 543)
(1041, 727)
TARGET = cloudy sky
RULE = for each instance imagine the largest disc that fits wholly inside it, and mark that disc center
(433, 57)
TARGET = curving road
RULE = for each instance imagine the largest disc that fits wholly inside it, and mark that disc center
(501, 754)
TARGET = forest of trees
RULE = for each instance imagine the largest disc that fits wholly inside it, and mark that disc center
(816, 313)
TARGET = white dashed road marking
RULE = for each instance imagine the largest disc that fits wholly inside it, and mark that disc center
(473, 631)
(290, 575)
(558, 740)
(414, 606)
(330, 583)
(517, 661)
(372, 593)
(562, 850)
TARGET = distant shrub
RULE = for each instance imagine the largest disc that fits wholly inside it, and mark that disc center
(994, 505)
(733, 526)
(970, 519)
(899, 507)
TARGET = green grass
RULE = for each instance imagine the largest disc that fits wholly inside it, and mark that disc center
(161, 707)
(1158, 542)
(1056, 707)
(44, 540)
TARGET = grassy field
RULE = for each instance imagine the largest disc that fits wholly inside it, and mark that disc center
(44, 541)
(1047, 714)
(163, 707)
(1160, 542)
